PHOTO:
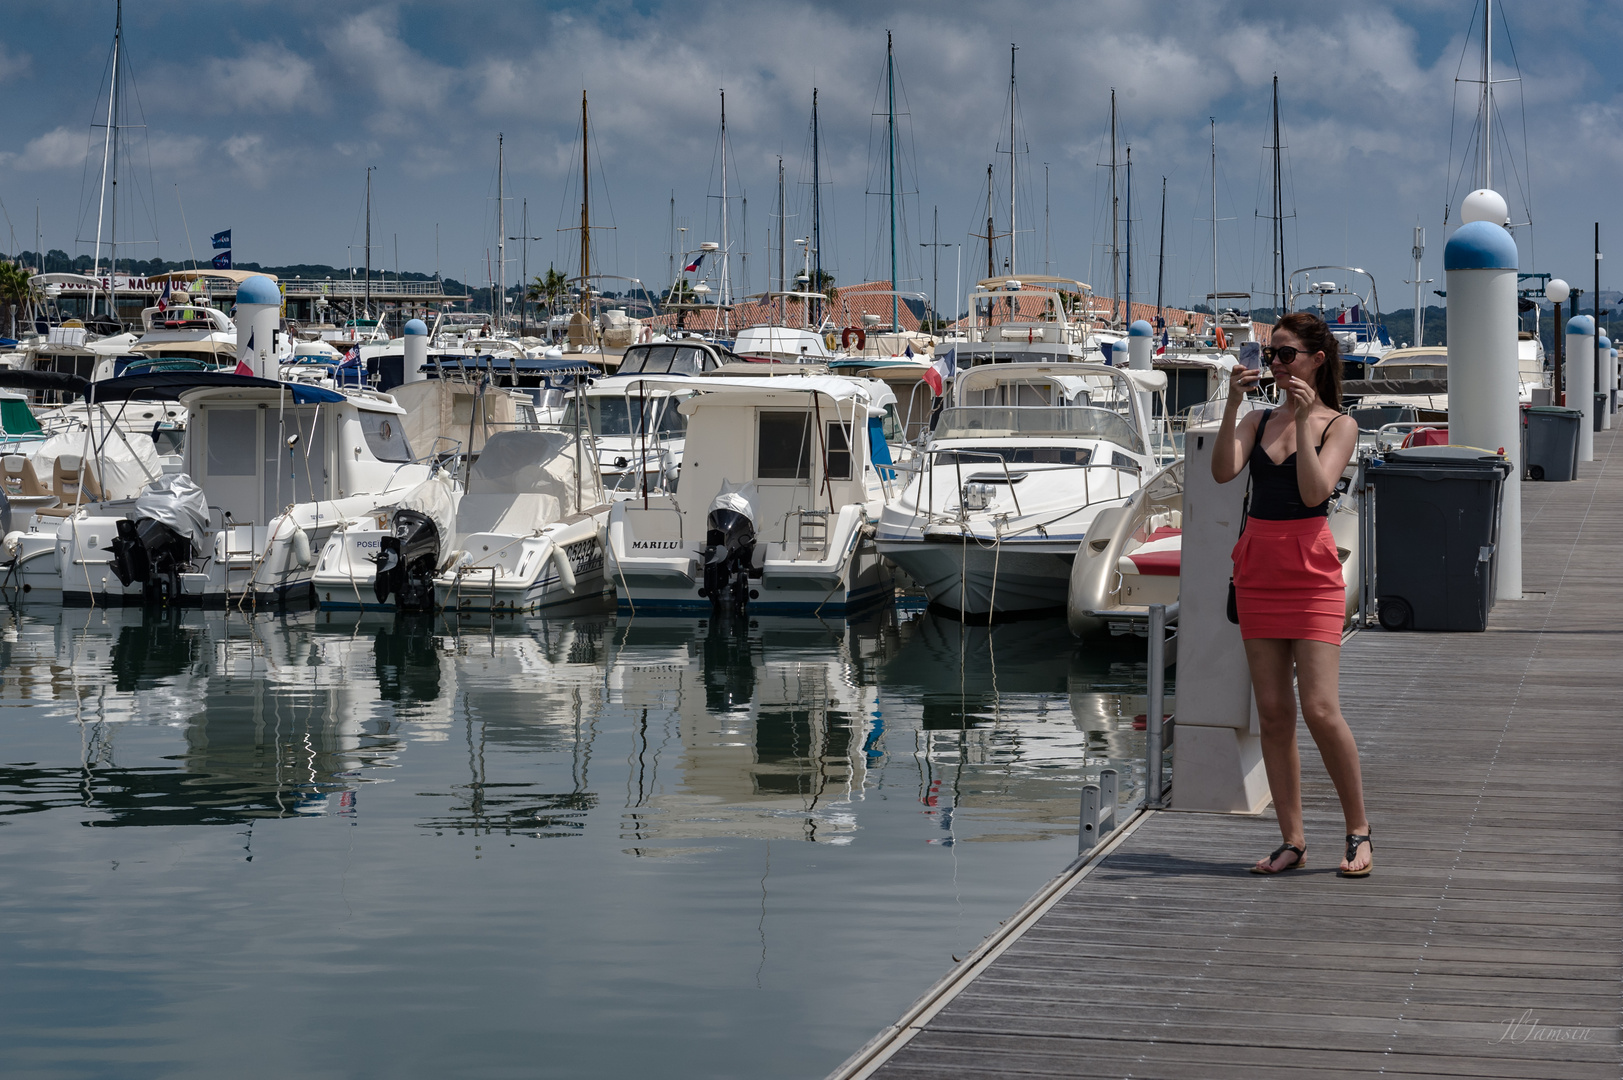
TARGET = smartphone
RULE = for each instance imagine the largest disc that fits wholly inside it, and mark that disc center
(1251, 355)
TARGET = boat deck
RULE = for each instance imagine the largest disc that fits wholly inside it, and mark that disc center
(1487, 943)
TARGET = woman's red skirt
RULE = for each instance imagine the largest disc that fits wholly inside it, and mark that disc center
(1287, 581)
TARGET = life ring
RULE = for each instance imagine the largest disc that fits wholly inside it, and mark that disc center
(861, 336)
(1221, 339)
(830, 340)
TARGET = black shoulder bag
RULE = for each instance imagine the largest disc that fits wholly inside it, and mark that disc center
(1245, 513)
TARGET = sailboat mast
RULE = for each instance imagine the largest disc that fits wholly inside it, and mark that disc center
(1012, 48)
(817, 212)
(783, 301)
(991, 258)
(1161, 261)
(585, 212)
(1214, 220)
(501, 241)
(368, 313)
(890, 89)
(1487, 96)
(109, 151)
(1115, 220)
(1128, 313)
(1281, 286)
(726, 252)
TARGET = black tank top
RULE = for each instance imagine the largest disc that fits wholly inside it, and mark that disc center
(1275, 495)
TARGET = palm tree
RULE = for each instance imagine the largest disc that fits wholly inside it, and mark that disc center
(13, 289)
(548, 290)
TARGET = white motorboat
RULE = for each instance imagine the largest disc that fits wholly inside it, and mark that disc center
(1023, 458)
(275, 467)
(1133, 556)
(529, 528)
(775, 507)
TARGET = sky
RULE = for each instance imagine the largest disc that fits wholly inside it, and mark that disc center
(262, 116)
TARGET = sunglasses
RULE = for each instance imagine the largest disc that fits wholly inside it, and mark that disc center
(1285, 354)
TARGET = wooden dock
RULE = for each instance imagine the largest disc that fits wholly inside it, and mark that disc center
(1487, 943)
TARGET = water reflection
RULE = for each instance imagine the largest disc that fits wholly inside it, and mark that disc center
(760, 728)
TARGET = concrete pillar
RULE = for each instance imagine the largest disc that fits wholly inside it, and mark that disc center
(1581, 380)
(1217, 750)
(1483, 378)
(258, 316)
(416, 335)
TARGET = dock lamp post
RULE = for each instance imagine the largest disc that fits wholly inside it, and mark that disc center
(1558, 291)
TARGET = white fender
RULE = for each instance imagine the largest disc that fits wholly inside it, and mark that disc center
(566, 571)
(301, 547)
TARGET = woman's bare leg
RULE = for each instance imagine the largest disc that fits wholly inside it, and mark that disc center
(1318, 670)
(1271, 663)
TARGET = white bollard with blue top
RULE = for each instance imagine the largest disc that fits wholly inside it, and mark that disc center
(258, 317)
(1581, 381)
(1140, 346)
(1480, 264)
(416, 334)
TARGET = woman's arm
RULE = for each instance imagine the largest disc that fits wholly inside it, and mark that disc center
(1317, 474)
(1236, 436)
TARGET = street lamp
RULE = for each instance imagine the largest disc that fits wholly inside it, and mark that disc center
(1558, 291)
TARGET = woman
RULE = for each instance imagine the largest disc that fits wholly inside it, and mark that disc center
(1288, 587)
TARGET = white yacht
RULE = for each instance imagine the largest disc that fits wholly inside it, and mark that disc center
(1029, 319)
(775, 506)
(529, 529)
(1023, 457)
(270, 470)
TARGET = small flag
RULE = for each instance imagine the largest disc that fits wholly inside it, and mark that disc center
(222, 240)
(943, 369)
(352, 357)
(163, 301)
(222, 261)
(243, 369)
(909, 352)
(693, 267)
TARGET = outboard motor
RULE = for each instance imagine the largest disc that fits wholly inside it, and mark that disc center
(160, 538)
(406, 561)
(729, 552)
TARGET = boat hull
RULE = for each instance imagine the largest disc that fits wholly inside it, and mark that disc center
(965, 577)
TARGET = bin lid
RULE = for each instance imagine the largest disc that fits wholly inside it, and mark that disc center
(1439, 462)
(1445, 455)
(1552, 410)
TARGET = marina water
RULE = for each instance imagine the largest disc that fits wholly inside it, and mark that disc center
(332, 844)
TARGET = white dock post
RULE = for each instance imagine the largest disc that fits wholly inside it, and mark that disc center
(258, 316)
(416, 335)
(1614, 380)
(1581, 380)
(1483, 378)
(1217, 754)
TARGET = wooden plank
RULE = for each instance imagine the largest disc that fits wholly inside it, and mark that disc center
(1489, 941)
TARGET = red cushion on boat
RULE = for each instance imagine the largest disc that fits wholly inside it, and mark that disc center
(1157, 563)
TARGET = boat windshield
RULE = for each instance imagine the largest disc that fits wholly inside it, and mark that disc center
(625, 415)
(665, 360)
(1006, 421)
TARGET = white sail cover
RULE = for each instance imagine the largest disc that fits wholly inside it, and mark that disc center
(122, 462)
(523, 481)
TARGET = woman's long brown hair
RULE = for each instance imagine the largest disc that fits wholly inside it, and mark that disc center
(1315, 334)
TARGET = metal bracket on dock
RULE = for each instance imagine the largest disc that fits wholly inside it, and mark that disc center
(1098, 811)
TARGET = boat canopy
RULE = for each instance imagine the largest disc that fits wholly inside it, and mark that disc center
(238, 276)
(170, 385)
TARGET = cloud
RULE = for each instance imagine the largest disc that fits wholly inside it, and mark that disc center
(268, 78)
(13, 65)
(56, 149)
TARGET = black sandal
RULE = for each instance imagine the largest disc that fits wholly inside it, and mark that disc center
(1353, 840)
(1301, 859)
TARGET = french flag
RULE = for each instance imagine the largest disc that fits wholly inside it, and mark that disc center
(939, 372)
(163, 301)
(243, 367)
(693, 267)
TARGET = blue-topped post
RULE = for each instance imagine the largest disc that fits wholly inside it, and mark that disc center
(1581, 380)
(258, 318)
(416, 334)
(1480, 264)
(1605, 383)
(1615, 378)
(1140, 345)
